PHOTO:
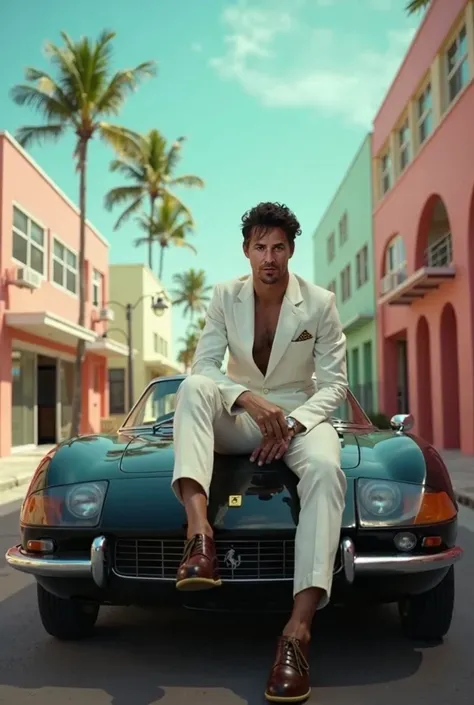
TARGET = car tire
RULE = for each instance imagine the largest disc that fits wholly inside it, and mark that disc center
(67, 620)
(428, 616)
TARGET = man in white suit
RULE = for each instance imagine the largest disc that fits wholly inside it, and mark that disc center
(280, 331)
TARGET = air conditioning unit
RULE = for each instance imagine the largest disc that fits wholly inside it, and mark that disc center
(27, 278)
(106, 314)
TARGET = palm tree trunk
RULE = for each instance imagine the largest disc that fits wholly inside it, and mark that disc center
(81, 345)
(162, 257)
(150, 238)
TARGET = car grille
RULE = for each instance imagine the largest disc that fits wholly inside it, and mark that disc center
(159, 559)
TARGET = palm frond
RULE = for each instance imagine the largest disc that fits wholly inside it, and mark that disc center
(39, 134)
(44, 103)
(188, 180)
(416, 5)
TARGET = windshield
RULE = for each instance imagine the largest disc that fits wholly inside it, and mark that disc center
(158, 403)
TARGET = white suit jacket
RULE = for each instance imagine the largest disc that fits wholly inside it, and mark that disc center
(307, 379)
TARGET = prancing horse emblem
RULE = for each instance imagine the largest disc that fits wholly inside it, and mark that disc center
(232, 559)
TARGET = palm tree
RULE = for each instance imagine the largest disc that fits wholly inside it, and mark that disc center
(149, 164)
(170, 225)
(192, 291)
(199, 326)
(187, 352)
(83, 93)
(416, 5)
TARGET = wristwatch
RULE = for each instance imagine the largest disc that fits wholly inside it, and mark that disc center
(292, 423)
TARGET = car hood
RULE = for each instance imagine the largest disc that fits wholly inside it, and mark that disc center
(154, 454)
(387, 455)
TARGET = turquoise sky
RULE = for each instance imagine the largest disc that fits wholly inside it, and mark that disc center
(274, 105)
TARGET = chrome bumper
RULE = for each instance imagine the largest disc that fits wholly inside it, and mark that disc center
(97, 567)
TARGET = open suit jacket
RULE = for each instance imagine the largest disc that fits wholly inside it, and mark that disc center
(306, 374)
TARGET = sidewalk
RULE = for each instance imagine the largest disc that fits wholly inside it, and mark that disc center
(461, 469)
(17, 470)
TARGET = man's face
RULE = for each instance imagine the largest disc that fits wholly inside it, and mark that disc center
(268, 252)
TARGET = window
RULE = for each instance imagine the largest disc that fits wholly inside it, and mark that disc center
(96, 288)
(343, 234)
(332, 286)
(425, 114)
(331, 247)
(64, 267)
(404, 144)
(346, 283)
(117, 391)
(457, 66)
(28, 242)
(395, 258)
(160, 345)
(386, 172)
(362, 266)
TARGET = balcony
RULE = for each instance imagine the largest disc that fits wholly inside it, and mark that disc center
(399, 289)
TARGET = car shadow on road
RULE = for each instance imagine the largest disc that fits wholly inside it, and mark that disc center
(141, 656)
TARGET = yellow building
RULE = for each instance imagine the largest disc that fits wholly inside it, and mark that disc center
(136, 287)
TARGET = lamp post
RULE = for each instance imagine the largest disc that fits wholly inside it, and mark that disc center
(158, 306)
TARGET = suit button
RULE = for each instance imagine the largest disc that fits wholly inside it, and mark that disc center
(265, 391)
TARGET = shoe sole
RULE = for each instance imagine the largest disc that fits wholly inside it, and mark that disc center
(195, 584)
(286, 699)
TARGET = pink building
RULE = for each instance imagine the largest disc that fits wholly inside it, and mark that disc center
(423, 159)
(39, 308)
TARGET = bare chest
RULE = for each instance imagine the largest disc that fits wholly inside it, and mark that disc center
(266, 322)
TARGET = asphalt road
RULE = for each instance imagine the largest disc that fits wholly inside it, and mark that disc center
(140, 657)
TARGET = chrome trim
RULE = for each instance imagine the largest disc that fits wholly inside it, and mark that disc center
(231, 581)
(98, 563)
(96, 567)
(406, 563)
(47, 566)
(348, 559)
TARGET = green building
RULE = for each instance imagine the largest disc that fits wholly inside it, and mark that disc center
(343, 263)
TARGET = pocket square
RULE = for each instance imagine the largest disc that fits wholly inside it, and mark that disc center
(305, 335)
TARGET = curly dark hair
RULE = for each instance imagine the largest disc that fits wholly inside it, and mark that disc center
(270, 215)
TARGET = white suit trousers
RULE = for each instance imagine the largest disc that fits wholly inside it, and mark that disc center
(203, 426)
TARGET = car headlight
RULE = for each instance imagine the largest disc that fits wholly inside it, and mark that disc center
(388, 503)
(67, 505)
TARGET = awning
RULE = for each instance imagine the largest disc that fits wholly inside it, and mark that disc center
(162, 366)
(108, 347)
(357, 321)
(49, 326)
(417, 286)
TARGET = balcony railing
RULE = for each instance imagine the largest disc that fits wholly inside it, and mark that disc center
(394, 279)
(440, 252)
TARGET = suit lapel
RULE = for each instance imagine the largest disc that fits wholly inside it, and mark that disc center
(288, 322)
(244, 316)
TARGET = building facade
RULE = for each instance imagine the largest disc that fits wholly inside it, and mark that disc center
(135, 284)
(343, 263)
(423, 167)
(39, 308)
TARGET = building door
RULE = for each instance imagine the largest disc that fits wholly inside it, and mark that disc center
(66, 390)
(23, 398)
(403, 401)
(47, 392)
(355, 381)
(368, 395)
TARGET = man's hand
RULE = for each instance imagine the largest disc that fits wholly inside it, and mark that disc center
(271, 450)
(269, 417)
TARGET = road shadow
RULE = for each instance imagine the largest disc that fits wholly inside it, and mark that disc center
(136, 655)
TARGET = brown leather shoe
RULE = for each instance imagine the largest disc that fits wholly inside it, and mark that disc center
(289, 677)
(199, 569)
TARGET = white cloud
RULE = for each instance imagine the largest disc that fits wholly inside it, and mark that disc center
(287, 64)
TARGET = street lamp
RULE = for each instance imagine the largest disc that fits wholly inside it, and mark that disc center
(158, 305)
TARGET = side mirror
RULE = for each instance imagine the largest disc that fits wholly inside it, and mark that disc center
(401, 423)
